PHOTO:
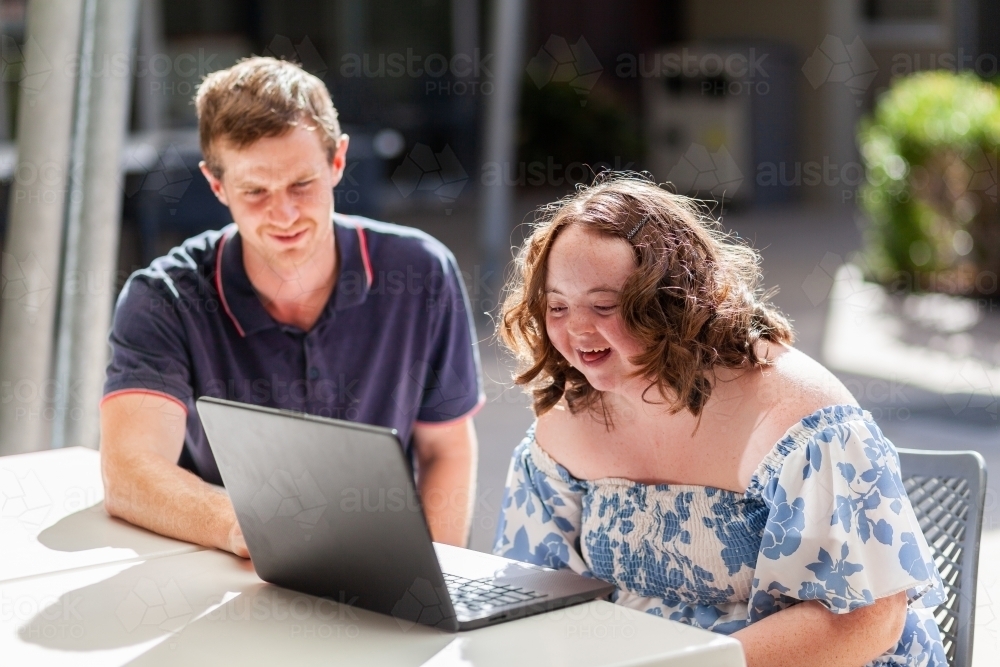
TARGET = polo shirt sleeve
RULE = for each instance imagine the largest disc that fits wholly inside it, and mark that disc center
(148, 342)
(453, 386)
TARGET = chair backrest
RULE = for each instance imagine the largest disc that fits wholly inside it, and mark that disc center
(948, 493)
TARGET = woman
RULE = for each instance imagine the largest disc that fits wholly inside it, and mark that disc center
(686, 452)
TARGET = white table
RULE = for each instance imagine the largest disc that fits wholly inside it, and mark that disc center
(52, 519)
(89, 590)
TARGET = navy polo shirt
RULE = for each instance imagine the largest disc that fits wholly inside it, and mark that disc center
(394, 346)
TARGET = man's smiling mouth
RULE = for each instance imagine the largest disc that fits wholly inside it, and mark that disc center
(288, 238)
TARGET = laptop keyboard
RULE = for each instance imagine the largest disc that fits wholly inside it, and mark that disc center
(483, 594)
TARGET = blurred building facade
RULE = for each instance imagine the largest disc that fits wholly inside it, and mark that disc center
(749, 104)
(422, 73)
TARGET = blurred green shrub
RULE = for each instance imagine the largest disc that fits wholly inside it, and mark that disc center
(930, 151)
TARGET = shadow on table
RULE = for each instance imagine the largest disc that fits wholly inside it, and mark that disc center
(274, 626)
(208, 604)
(92, 528)
(144, 602)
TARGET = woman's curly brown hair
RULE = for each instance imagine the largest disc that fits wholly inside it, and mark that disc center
(693, 301)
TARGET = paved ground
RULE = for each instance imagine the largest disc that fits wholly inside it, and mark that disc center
(801, 249)
(986, 651)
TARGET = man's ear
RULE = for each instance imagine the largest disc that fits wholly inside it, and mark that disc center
(339, 161)
(214, 183)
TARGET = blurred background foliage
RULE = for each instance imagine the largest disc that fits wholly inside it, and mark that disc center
(930, 149)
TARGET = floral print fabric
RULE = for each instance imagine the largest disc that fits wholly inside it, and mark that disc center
(825, 518)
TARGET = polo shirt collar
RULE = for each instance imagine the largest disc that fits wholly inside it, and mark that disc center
(239, 298)
(354, 277)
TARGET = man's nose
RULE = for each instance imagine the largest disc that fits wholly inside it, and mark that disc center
(283, 209)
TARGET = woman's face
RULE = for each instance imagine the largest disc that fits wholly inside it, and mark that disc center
(586, 271)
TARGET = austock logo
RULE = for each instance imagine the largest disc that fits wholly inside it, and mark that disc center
(421, 604)
(14, 62)
(972, 388)
(701, 171)
(162, 172)
(561, 62)
(425, 387)
(288, 496)
(981, 171)
(149, 604)
(23, 498)
(818, 284)
(24, 281)
(304, 53)
(424, 170)
(836, 62)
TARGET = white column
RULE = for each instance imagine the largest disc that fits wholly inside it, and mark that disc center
(93, 220)
(31, 260)
(150, 103)
(841, 106)
(500, 146)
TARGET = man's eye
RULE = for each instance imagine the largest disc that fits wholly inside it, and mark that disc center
(302, 184)
(254, 193)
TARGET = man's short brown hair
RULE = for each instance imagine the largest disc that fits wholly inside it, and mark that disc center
(261, 97)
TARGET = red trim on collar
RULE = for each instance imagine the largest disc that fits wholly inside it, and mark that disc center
(364, 255)
(218, 285)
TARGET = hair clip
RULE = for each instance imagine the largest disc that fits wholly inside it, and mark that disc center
(635, 230)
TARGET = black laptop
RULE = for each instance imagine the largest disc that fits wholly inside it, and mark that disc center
(329, 508)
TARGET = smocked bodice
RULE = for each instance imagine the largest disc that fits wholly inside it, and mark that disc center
(671, 538)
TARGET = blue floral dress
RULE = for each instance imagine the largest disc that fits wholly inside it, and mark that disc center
(825, 518)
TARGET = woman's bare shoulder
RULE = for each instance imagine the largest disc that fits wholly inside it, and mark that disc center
(556, 425)
(803, 384)
(792, 386)
(567, 437)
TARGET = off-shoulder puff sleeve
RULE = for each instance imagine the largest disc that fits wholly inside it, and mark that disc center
(841, 529)
(540, 515)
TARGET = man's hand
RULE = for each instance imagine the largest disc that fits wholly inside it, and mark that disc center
(142, 434)
(237, 544)
(446, 458)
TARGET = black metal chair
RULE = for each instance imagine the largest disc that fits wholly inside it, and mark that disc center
(948, 493)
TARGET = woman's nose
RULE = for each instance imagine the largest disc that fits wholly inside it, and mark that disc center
(579, 322)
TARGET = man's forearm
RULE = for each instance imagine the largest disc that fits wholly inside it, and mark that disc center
(147, 490)
(446, 459)
(447, 490)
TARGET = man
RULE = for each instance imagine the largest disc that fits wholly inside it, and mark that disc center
(292, 306)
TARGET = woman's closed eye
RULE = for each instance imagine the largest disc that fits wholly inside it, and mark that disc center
(603, 309)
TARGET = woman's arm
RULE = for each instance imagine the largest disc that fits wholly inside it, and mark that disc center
(809, 634)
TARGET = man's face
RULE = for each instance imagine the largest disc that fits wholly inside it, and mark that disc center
(279, 191)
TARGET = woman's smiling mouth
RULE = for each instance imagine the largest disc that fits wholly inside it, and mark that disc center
(594, 355)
